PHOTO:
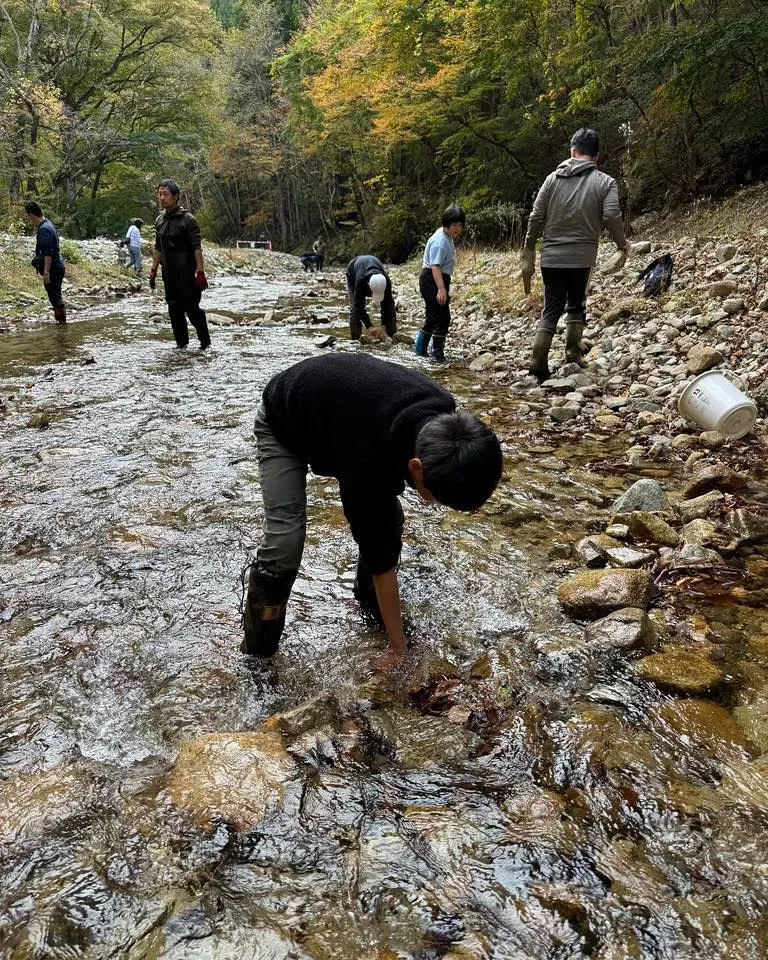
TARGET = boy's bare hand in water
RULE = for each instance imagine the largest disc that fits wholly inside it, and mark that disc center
(390, 661)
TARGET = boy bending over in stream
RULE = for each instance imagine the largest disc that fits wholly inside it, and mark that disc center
(375, 426)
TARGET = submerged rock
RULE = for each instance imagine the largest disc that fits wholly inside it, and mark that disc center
(317, 712)
(625, 628)
(417, 741)
(237, 777)
(706, 726)
(680, 670)
(593, 593)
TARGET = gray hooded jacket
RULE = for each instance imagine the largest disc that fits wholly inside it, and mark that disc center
(570, 210)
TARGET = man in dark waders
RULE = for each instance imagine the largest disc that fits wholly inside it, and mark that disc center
(412, 434)
(47, 260)
(573, 205)
(178, 248)
(366, 277)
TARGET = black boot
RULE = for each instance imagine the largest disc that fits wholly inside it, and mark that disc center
(365, 592)
(200, 323)
(60, 314)
(264, 611)
(438, 349)
(573, 335)
(541, 344)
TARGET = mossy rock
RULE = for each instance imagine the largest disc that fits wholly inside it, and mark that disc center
(595, 593)
(680, 670)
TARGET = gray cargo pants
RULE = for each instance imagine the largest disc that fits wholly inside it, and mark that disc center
(284, 493)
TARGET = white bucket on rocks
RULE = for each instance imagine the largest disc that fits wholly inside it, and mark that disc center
(715, 403)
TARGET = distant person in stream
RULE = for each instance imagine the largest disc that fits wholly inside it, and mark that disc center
(178, 249)
(133, 239)
(573, 205)
(366, 277)
(437, 268)
(411, 432)
(47, 260)
(318, 248)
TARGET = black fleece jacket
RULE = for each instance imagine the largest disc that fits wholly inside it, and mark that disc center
(356, 418)
(359, 272)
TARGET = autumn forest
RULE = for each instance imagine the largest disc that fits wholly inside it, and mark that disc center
(295, 119)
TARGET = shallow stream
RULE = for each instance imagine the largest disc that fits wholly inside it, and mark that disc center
(575, 818)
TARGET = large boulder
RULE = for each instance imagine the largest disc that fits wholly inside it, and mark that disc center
(595, 593)
(237, 777)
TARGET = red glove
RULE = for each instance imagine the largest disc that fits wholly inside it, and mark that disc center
(201, 281)
(152, 279)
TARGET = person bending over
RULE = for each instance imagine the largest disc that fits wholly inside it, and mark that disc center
(413, 433)
(366, 277)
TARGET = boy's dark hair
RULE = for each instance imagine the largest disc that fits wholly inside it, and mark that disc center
(462, 459)
(454, 215)
(138, 222)
(586, 141)
(34, 208)
(171, 185)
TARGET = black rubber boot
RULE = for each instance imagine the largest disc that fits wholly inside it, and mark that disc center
(541, 344)
(438, 349)
(264, 608)
(573, 335)
(365, 592)
(60, 314)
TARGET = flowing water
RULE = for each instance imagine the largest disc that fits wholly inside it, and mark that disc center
(569, 818)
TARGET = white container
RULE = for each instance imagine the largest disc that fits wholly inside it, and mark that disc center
(715, 403)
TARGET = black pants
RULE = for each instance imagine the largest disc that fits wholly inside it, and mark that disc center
(53, 288)
(183, 303)
(565, 290)
(438, 315)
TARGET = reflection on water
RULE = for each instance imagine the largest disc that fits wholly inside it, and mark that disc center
(589, 819)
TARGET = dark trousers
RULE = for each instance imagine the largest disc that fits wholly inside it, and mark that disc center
(565, 290)
(53, 288)
(182, 304)
(438, 315)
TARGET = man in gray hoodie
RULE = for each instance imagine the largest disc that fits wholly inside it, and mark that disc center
(573, 205)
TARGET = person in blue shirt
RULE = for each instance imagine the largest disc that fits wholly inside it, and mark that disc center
(437, 268)
(47, 260)
(133, 238)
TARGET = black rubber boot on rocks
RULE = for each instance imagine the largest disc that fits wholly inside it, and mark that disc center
(541, 344)
(264, 608)
(438, 349)
(365, 592)
(573, 335)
